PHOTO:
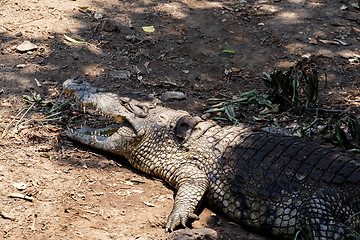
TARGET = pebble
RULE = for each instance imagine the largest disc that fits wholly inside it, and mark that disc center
(20, 186)
(21, 65)
(166, 96)
(26, 46)
(120, 74)
(277, 130)
(98, 16)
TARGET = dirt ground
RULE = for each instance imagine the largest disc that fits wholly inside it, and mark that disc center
(80, 193)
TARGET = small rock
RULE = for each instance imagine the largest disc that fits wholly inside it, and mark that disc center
(193, 234)
(26, 46)
(98, 16)
(19, 34)
(108, 25)
(20, 186)
(277, 130)
(21, 65)
(133, 38)
(166, 96)
(120, 74)
(149, 204)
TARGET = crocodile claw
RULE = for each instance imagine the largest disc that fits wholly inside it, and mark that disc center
(176, 219)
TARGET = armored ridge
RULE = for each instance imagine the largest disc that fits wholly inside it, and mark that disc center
(280, 185)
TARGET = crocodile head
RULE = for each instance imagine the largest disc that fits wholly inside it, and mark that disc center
(130, 115)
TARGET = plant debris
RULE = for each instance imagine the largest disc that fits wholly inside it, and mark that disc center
(21, 196)
(290, 95)
(73, 40)
(41, 119)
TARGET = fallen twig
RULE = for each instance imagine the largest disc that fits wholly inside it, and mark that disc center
(18, 122)
(6, 216)
(5, 132)
(295, 118)
(32, 20)
(21, 196)
(6, 28)
(325, 110)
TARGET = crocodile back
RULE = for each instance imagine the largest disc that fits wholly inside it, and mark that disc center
(270, 182)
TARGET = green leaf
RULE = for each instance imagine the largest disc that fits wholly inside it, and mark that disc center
(312, 89)
(229, 51)
(230, 113)
(249, 93)
(354, 129)
(218, 105)
(343, 7)
(73, 40)
(268, 76)
(337, 24)
(148, 29)
(262, 118)
(215, 110)
(216, 99)
(354, 3)
(28, 99)
(340, 136)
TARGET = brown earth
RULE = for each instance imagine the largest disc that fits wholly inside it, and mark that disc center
(80, 193)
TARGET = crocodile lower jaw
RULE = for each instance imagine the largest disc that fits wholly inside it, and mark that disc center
(103, 132)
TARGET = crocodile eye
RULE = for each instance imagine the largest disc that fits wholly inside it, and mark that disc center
(140, 110)
(184, 127)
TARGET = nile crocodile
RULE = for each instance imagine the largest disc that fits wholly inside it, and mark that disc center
(284, 186)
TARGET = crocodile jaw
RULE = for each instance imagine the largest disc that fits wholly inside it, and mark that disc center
(108, 104)
(117, 139)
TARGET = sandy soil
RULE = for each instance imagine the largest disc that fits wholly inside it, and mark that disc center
(80, 193)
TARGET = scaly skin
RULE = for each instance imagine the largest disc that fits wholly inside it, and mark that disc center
(279, 185)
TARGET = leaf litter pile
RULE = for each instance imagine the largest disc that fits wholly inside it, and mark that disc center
(291, 103)
(37, 119)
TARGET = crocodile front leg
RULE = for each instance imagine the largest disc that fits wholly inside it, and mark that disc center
(192, 184)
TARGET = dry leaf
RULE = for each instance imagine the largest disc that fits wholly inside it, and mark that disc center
(329, 42)
(356, 29)
(183, 30)
(313, 41)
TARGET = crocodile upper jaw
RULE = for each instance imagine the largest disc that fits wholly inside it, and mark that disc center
(110, 138)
